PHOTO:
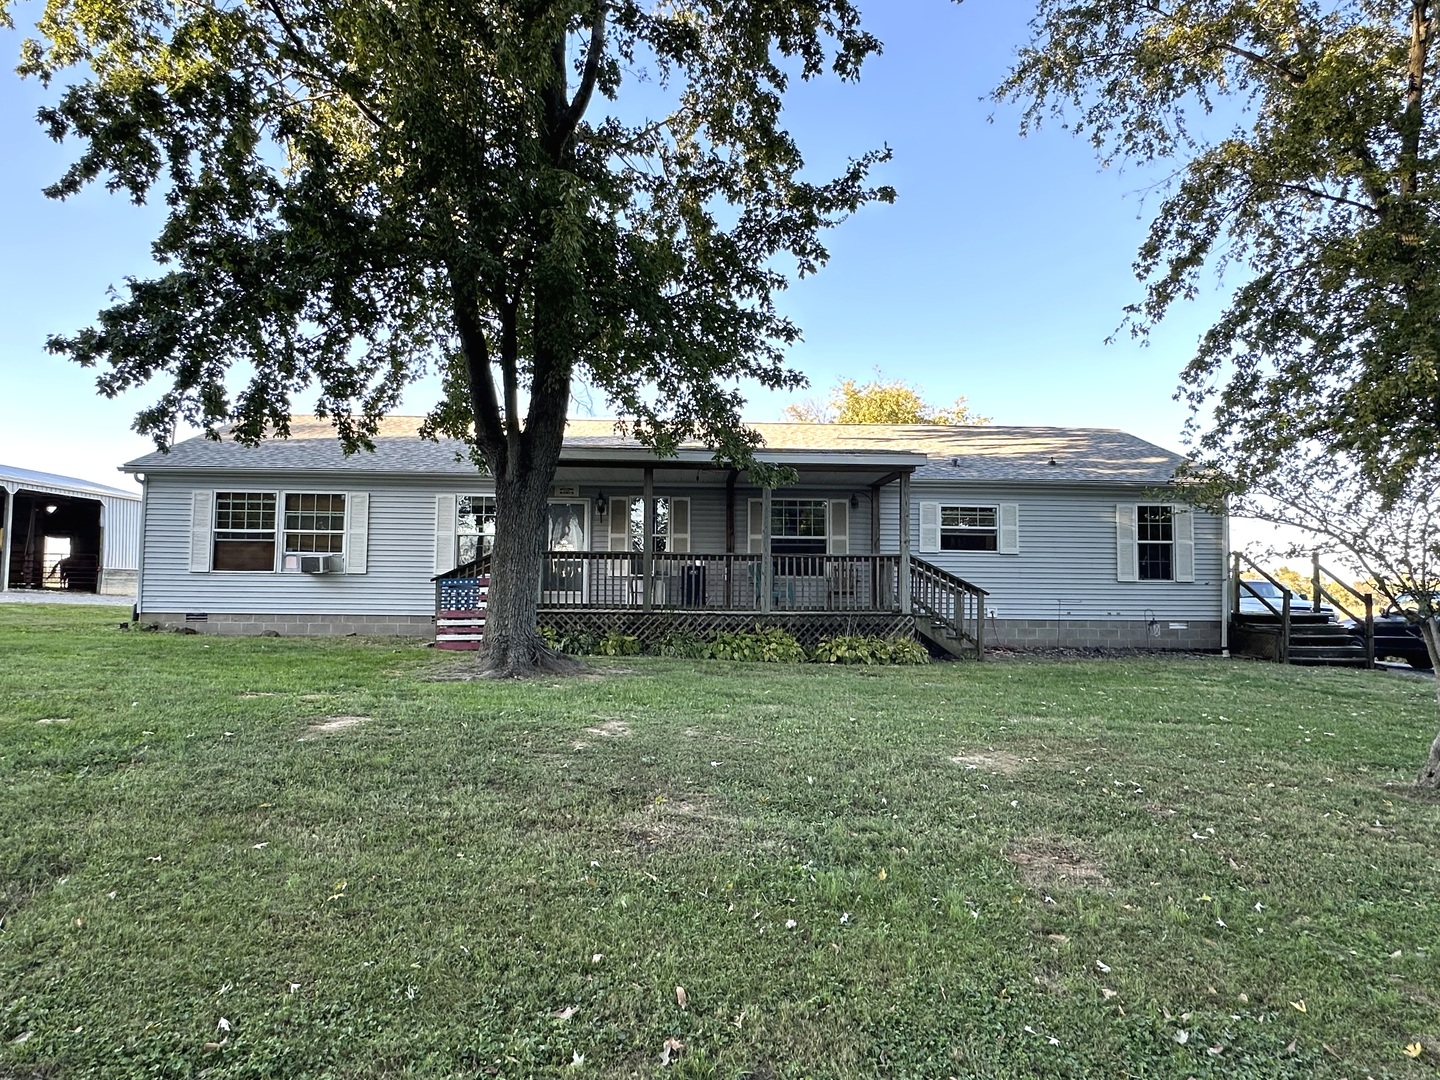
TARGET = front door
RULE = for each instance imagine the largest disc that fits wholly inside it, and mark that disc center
(563, 582)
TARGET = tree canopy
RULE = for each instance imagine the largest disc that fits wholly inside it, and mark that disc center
(1322, 194)
(359, 191)
(880, 401)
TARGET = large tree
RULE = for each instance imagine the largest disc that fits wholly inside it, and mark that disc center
(880, 401)
(1304, 134)
(359, 191)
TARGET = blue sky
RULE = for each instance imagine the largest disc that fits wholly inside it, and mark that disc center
(998, 274)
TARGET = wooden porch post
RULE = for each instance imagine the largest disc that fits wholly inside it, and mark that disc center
(647, 556)
(5, 546)
(905, 543)
(767, 564)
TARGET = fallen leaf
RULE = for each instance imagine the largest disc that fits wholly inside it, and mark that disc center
(673, 1048)
(576, 1059)
(1100, 965)
(223, 1025)
(681, 998)
(1299, 1005)
(213, 1046)
(1108, 993)
(23, 1037)
(882, 875)
(566, 1013)
(262, 844)
(1413, 1049)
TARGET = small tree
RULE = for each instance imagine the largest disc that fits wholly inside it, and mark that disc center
(359, 191)
(880, 402)
(1395, 541)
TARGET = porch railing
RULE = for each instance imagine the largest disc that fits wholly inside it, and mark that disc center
(599, 580)
(956, 606)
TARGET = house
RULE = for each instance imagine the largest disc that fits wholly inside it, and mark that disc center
(972, 536)
(60, 532)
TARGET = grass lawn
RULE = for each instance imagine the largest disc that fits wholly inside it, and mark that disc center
(1148, 868)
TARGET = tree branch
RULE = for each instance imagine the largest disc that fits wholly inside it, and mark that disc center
(302, 51)
(478, 370)
(591, 71)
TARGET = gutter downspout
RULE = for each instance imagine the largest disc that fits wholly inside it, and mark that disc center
(140, 561)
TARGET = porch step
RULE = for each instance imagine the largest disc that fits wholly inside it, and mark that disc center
(944, 638)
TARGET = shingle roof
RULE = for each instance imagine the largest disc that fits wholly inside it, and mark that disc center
(29, 477)
(988, 453)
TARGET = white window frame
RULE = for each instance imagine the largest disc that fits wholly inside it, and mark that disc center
(814, 502)
(1129, 542)
(286, 532)
(961, 509)
(255, 534)
(484, 541)
(622, 525)
(932, 531)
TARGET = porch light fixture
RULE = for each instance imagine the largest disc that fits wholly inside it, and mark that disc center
(51, 508)
(1052, 461)
(854, 501)
(600, 503)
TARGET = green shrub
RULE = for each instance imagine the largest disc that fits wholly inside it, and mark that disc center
(578, 643)
(682, 646)
(614, 643)
(860, 649)
(764, 644)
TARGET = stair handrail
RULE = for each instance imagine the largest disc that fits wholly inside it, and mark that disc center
(1368, 599)
(1283, 652)
(943, 596)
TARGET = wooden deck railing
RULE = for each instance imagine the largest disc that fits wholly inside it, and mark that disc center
(598, 580)
(954, 603)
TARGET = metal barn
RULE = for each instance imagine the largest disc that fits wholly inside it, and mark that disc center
(63, 533)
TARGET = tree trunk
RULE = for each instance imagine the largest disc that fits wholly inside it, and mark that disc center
(1430, 630)
(513, 647)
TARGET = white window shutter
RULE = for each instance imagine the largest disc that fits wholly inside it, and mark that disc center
(757, 526)
(839, 530)
(1184, 522)
(1126, 557)
(929, 527)
(1008, 540)
(444, 533)
(680, 525)
(619, 527)
(357, 531)
(202, 504)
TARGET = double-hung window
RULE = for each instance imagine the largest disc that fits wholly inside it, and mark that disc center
(799, 527)
(969, 528)
(1155, 543)
(244, 536)
(475, 527)
(670, 527)
(266, 531)
(314, 524)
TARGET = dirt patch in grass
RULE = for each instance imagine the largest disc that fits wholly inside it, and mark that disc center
(53, 720)
(332, 725)
(995, 761)
(682, 820)
(1048, 862)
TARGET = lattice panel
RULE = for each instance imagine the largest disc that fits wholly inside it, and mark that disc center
(808, 629)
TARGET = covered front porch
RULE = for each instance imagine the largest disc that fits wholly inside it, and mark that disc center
(651, 546)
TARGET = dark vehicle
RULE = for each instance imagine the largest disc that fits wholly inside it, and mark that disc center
(1395, 636)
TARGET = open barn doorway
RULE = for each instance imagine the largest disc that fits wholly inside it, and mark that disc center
(55, 542)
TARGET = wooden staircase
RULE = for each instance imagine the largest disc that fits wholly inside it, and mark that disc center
(949, 611)
(1301, 634)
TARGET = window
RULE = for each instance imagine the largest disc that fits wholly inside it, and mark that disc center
(314, 524)
(969, 528)
(1155, 542)
(671, 526)
(798, 527)
(244, 531)
(475, 530)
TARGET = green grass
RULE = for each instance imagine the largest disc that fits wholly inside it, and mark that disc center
(1126, 854)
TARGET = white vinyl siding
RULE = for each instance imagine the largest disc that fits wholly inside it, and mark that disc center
(756, 530)
(1067, 564)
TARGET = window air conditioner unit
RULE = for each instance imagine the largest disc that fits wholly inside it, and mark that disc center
(319, 564)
